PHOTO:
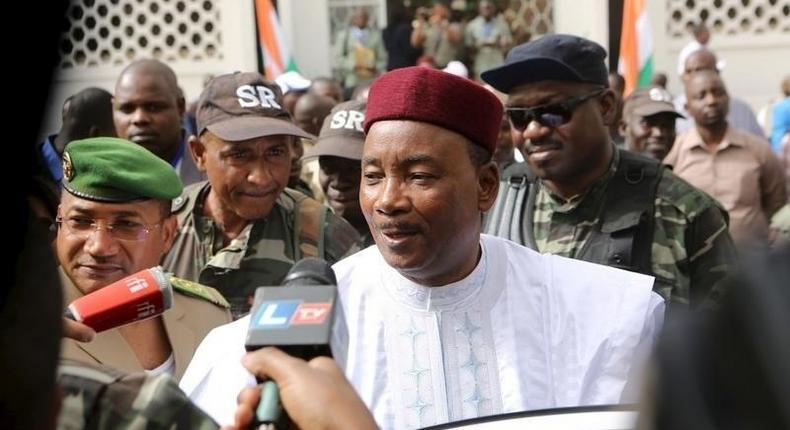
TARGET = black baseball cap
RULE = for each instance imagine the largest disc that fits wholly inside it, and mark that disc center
(554, 57)
(241, 106)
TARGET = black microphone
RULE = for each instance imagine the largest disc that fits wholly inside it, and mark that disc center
(296, 317)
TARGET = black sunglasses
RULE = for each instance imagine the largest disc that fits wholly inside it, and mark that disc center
(550, 115)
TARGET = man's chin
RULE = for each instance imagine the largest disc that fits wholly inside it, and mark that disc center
(88, 283)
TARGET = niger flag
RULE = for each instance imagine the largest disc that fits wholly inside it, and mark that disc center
(636, 46)
(276, 58)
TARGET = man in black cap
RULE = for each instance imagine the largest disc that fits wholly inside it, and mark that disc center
(243, 228)
(648, 122)
(339, 151)
(583, 198)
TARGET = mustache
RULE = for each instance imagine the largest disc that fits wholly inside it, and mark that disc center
(399, 226)
(529, 143)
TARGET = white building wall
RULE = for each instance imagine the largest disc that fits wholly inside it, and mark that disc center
(753, 40)
(756, 48)
(229, 46)
(589, 19)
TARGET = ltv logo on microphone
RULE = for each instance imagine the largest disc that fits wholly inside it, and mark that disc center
(277, 314)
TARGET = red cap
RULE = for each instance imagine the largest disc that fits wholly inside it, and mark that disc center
(439, 98)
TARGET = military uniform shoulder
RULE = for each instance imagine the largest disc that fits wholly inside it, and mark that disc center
(198, 291)
(688, 199)
(188, 197)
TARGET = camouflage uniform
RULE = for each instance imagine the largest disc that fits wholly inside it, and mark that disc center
(262, 254)
(96, 397)
(691, 252)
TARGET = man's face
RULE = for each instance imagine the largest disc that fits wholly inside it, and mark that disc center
(572, 150)
(328, 89)
(148, 112)
(652, 135)
(486, 9)
(504, 144)
(422, 197)
(707, 100)
(95, 257)
(306, 120)
(297, 150)
(360, 18)
(246, 176)
(339, 178)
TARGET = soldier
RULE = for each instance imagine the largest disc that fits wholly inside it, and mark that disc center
(339, 151)
(243, 228)
(648, 122)
(147, 109)
(113, 221)
(592, 201)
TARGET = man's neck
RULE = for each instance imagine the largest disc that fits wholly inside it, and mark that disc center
(149, 342)
(579, 185)
(712, 135)
(442, 279)
(229, 222)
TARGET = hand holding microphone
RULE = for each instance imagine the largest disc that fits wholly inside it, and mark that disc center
(315, 393)
(297, 318)
(136, 297)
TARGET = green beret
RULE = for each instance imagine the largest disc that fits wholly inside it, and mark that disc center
(109, 169)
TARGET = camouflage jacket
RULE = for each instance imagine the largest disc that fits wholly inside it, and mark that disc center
(691, 252)
(263, 253)
(97, 397)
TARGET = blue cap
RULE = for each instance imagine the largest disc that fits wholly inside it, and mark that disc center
(554, 57)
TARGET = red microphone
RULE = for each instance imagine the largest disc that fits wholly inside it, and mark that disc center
(136, 297)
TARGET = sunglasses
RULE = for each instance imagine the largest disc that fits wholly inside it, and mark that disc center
(550, 115)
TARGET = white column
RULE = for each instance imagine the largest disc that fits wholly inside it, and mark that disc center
(306, 32)
(588, 19)
(239, 44)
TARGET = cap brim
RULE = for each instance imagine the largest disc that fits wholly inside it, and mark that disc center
(336, 146)
(649, 109)
(506, 77)
(250, 127)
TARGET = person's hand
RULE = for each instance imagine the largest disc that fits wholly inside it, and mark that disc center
(77, 331)
(314, 393)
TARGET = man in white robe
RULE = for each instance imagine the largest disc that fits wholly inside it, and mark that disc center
(441, 323)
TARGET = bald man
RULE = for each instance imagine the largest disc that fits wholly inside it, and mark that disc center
(147, 109)
(740, 114)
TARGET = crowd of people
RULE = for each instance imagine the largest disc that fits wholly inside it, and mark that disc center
(511, 242)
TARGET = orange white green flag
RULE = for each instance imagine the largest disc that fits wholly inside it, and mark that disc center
(636, 46)
(276, 57)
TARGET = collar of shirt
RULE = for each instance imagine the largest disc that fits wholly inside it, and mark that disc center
(446, 297)
(210, 234)
(582, 202)
(694, 140)
(360, 34)
(52, 158)
(181, 149)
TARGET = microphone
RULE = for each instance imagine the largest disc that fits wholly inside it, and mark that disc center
(136, 297)
(295, 317)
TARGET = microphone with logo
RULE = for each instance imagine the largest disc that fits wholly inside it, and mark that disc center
(297, 318)
(136, 297)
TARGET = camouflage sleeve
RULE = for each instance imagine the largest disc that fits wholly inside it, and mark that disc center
(711, 256)
(101, 398)
(340, 239)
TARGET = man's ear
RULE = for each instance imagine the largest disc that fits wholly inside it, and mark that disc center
(182, 106)
(169, 229)
(198, 151)
(608, 103)
(623, 127)
(487, 185)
